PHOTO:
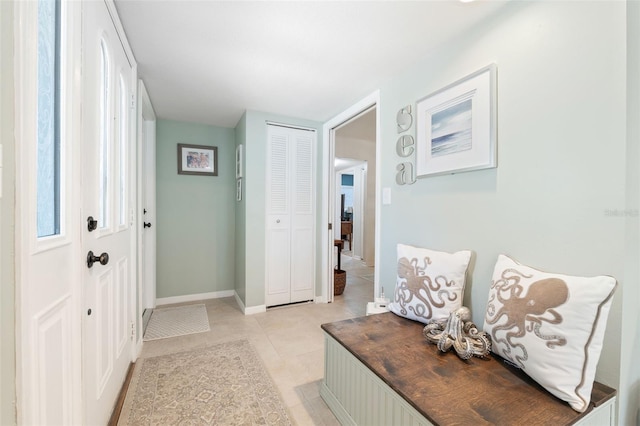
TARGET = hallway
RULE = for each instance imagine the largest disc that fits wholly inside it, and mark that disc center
(359, 288)
(288, 339)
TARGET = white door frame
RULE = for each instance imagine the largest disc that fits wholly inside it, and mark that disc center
(146, 142)
(328, 203)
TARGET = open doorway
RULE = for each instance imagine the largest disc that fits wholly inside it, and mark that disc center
(351, 187)
(146, 210)
(351, 138)
(355, 165)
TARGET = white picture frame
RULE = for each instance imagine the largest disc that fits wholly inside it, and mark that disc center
(456, 126)
(239, 159)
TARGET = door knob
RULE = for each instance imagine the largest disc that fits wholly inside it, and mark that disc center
(92, 224)
(147, 225)
(91, 259)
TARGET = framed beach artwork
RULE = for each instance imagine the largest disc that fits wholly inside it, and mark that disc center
(456, 126)
(197, 160)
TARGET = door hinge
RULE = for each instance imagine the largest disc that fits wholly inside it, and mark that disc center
(133, 330)
(330, 226)
(133, 101)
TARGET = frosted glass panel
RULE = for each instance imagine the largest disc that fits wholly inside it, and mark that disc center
(123, 152)
(48, 124)
(105, 134)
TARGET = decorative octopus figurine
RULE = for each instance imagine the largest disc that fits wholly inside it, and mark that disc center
(460, 333)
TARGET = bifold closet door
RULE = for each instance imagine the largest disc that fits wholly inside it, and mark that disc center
(290, 239)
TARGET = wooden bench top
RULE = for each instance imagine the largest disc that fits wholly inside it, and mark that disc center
(446, 389)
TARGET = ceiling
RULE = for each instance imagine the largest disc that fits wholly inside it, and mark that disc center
(209, 61)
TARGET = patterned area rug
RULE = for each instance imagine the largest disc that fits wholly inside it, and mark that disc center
(178, 321)
(225, 384)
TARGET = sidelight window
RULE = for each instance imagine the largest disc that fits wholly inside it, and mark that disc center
(48, 119)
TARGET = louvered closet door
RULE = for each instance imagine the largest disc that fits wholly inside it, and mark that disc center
(290, 242)
(278, 250)
(302, 218)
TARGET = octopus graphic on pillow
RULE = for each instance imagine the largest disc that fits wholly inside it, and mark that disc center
(518, 315)
(550, 325)
(420, 293)
(429, 284)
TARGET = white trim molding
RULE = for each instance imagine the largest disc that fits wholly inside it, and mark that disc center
(328, 150)
(251, 310)
(194, 297)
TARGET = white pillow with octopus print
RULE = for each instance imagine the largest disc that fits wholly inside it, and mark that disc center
(549, 325)
(430, 284)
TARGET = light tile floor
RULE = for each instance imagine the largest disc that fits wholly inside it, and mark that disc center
(288, 339)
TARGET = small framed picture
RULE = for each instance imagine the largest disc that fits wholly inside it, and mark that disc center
(238, 161)
(456, 126)
(197, 160)
(239, 189)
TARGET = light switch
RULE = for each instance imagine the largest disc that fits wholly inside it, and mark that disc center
(386, 196)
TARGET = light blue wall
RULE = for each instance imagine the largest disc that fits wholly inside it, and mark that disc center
(255, 185)
(229, 251)
(195, 214)
(562, 147)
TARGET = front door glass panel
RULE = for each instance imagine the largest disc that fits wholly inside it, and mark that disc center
(48, 119)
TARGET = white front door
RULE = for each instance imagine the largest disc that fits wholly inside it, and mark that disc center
(108, 116)
(48, 264)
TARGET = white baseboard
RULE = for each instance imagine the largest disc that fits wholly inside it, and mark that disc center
(251, 309)
(194, 297)
(255, 309)
(239, 301)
